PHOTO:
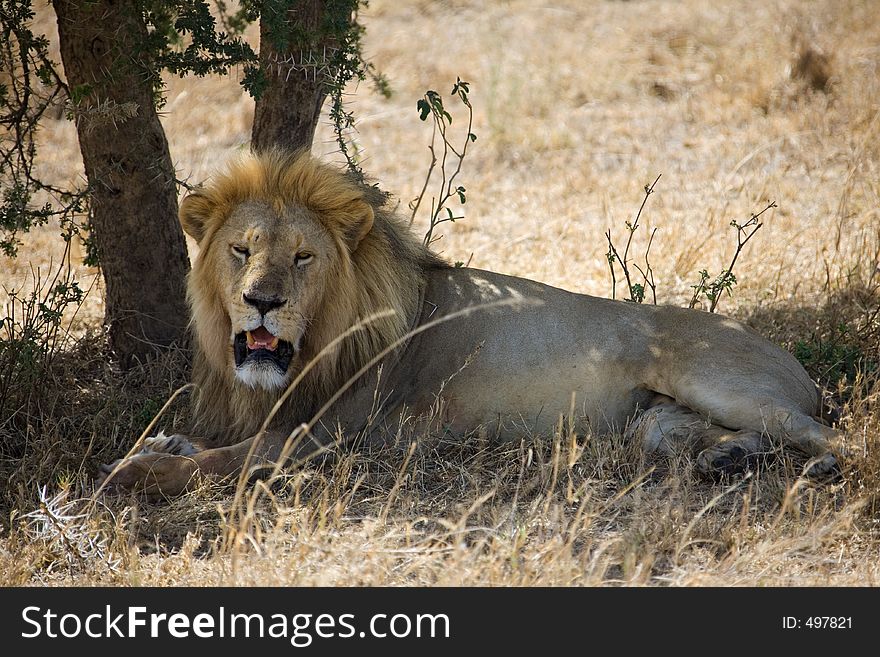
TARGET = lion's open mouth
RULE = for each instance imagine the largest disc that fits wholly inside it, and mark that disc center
(260, 345)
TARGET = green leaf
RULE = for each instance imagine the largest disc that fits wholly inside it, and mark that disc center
(461, 89)
(424, 109)
(637, 292)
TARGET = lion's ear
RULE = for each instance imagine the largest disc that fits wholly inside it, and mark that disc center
(195, 209)
(357, 224)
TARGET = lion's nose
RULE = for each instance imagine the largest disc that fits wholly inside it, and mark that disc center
(263, 303)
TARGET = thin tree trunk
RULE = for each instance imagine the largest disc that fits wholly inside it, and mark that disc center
(141, 248)
(296, 53)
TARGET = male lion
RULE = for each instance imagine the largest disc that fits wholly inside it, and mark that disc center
(309, 295)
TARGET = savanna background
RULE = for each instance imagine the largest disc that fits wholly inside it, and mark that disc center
(577, 106)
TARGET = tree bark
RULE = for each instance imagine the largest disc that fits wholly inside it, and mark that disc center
(141, 248)
(297, 61)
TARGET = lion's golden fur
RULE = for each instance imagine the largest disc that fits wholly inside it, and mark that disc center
(385, 271)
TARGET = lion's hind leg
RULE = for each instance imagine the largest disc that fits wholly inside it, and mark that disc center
(780, 402)
(822, 442)
(733, 452)
(767, 411)
(668, 428)
(794, 428)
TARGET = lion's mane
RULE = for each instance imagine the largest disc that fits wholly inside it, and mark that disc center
(386, 271)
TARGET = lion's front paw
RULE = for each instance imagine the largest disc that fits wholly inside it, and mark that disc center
(176, 444)
(156, 474)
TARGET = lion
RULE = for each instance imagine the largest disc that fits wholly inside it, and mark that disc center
(319, 317)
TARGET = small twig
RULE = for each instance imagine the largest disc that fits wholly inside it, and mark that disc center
(648, 274)
(418, 200)
(636, 291)
(726, 278)
(431, 104)
(649, 189)
(612, 255)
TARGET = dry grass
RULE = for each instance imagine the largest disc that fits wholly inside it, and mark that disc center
(577, 106)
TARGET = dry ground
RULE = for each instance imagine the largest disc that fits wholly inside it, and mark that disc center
(577, 106)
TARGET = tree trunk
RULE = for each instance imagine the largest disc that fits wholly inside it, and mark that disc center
(141, 248)
(296, 51)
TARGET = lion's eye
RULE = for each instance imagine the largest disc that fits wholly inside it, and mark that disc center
(302, 258)
(241, 252)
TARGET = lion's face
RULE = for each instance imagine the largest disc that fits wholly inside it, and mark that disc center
(272, 264)
(272, 232)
